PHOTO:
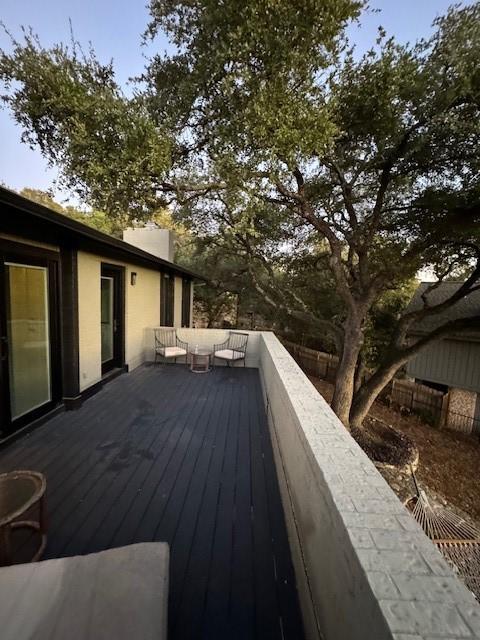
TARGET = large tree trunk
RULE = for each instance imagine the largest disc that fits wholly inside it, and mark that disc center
(369, 391)
(345, 378)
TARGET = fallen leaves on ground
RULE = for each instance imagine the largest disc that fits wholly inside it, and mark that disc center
(449, 462)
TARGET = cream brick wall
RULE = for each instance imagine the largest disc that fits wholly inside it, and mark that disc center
(142, 310)
(89, 319)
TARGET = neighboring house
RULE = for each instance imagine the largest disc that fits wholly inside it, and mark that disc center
(451, 365)
(76, 307)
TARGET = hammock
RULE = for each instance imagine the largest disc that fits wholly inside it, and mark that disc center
(458, 541)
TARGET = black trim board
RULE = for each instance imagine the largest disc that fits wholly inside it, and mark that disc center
(186, 300)
(31, 426)
(106, 378)
(45, 225)
(61, 407)
(118, 273)
(70, 329)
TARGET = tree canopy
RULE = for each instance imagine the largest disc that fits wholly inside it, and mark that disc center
(288, 151)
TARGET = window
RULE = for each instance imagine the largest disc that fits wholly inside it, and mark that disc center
(186, 297)
(166, 300)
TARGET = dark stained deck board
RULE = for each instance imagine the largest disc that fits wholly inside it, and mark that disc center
(162, 454)
(282, 557)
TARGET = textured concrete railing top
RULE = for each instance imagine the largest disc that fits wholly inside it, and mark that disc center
(371, 571)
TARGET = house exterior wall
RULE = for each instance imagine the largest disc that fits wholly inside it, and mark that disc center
(142, 310)
(454, 363)
(158, 242)
(89, 338)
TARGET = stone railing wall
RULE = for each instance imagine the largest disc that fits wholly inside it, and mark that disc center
(365, 570)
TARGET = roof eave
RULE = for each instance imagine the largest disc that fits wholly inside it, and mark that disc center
(84, 232)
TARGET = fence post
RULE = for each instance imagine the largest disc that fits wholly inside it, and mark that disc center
(444, 410)
(392, 395)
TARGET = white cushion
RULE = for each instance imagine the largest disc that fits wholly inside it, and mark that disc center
(120, 594)
(229, 354)
(171, 352)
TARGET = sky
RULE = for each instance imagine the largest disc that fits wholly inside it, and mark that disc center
(115, 27)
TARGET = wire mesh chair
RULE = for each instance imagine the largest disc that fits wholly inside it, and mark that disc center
(168, 345)
(233, 349)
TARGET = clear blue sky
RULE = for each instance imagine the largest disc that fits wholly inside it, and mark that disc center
(114, 27)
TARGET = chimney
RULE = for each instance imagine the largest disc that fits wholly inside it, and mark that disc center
(158, 242)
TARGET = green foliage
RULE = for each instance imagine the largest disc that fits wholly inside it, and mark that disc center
(382, 321)
(257, 83)
(112, 154)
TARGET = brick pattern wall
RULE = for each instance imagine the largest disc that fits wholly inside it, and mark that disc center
(365, 569)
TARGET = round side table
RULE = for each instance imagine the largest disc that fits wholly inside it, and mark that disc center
(19, 492)
(200, 360)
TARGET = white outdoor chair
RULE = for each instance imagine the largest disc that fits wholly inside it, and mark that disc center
(233, 350)
(168, 345)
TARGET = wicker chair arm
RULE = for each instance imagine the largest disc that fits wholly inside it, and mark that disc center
(182, 344)
(221, 345)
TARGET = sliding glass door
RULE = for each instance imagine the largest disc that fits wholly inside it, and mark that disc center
(107, 318)
(28, 337)
(111, 319)
(27, 355)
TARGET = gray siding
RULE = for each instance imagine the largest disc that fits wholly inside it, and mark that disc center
(450, 362)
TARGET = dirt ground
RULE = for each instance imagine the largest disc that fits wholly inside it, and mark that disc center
(449, 462)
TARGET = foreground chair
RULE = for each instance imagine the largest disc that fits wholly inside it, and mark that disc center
(120, 594)
(168, 344)
(233, 349)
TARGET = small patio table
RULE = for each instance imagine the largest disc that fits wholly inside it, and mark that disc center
(20, 491)
(200, 359)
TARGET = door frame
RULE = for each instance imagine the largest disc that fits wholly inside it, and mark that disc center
(116, 272)
(36, 257)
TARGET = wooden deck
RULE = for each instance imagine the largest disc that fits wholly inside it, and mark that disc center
(163, 454)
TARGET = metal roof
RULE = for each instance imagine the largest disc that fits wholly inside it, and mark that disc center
(466, 307)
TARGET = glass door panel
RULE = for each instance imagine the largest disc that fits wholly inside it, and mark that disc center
(107, 318)
(28, 338)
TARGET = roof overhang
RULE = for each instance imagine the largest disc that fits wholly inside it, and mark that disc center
(20, 216)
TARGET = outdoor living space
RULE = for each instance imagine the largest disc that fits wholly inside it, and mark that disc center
(162, 454)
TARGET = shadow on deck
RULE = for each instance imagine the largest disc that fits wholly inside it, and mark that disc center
(162, 454)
